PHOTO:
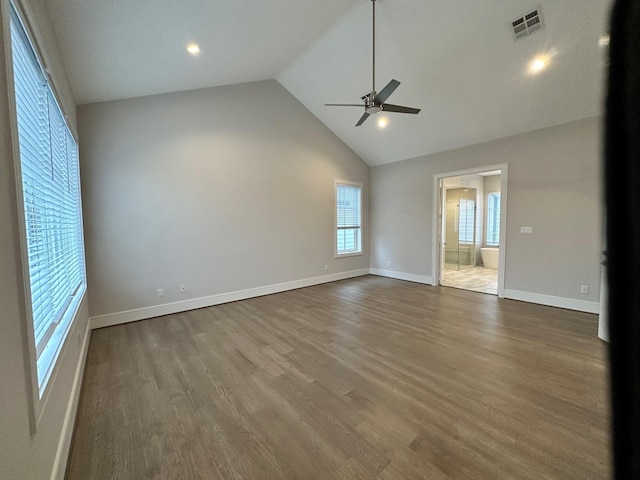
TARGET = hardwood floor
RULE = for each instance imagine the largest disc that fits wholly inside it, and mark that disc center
(369, 378)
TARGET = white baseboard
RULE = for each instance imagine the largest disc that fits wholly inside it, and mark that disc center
(64, 443)
(185, 305)
(551, 301)
(209, 301)
(410, 277)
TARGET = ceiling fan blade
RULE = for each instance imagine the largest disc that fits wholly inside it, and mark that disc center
(387, 107)
(387, 91)
(343, 105)
(362, 119)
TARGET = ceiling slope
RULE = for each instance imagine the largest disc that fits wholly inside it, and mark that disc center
(456, 60)
(115, 49)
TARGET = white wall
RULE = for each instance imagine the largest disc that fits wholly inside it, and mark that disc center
(554, 186)
(222, 189)
(24, 455)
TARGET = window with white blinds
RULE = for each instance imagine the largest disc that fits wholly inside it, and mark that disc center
(466, 221)
(348, 218)
(51, 199)
(493, 219)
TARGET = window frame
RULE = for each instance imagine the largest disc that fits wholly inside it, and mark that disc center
(360, 227)
(40, 391)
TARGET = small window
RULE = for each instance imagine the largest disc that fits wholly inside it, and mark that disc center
(348, 218)
(493, 219)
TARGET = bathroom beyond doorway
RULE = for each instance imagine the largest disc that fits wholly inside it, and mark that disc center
(470, 210)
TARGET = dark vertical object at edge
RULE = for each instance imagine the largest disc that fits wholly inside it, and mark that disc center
(622, 197)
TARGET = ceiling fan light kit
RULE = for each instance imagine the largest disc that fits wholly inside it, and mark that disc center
(374, 102)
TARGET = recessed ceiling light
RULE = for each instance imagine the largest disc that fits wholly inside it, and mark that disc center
(193, 49)
(538, 64)
(382, 122)
(604, 39)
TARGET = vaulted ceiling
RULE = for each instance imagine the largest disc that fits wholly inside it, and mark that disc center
(457, 60)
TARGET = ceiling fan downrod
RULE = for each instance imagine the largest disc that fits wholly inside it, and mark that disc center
(373, 76)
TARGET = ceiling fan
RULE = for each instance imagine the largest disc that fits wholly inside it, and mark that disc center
(375, 102)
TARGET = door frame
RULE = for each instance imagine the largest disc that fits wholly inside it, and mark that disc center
(437, 219)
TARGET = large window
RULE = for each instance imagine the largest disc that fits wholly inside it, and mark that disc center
(348, 218)
(493, 219)
(51, 205)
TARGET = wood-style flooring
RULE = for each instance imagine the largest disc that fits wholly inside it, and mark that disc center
(368, 378)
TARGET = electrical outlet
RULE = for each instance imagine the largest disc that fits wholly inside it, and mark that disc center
(526, 230)
(584, 289)
(160, 293)
(326, 267)
(388, 263)
(183, 288)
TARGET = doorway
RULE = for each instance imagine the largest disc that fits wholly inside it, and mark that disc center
(470, 219)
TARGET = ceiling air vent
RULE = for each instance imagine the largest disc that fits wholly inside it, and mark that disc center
(527, 24)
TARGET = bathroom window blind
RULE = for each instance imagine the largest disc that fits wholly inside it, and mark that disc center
(348, 218)
(51, 199)
(466, 221)
(493, 219)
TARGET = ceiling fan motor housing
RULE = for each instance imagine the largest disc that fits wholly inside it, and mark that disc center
(370, 105)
